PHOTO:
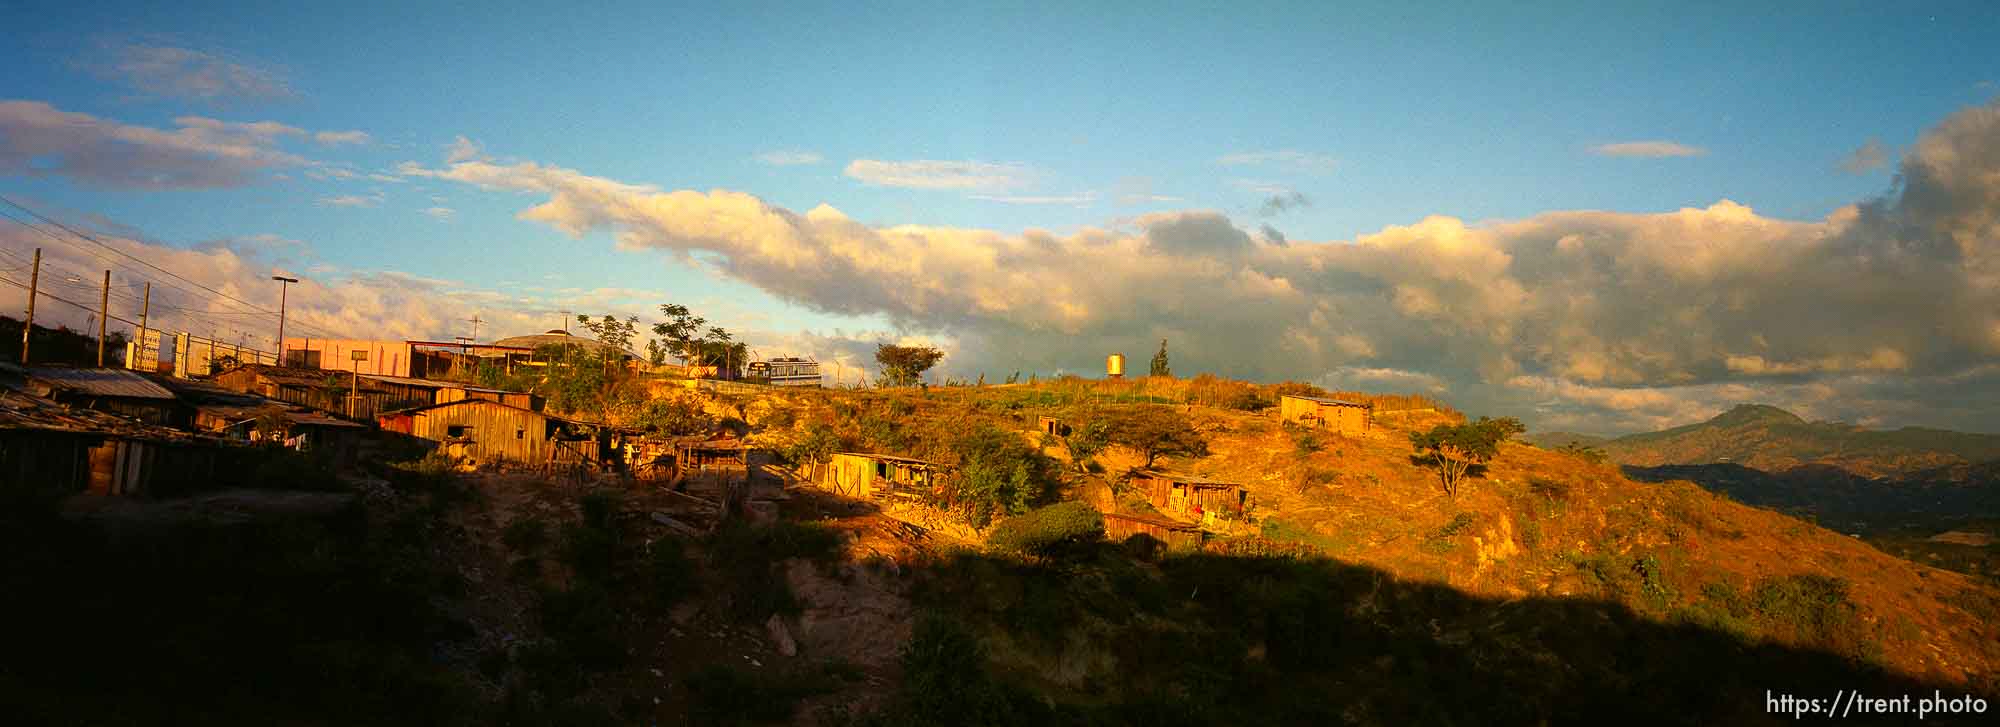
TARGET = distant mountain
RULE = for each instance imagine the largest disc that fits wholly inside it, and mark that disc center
(1774, 440)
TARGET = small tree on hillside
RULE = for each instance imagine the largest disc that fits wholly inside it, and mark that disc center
(680, 331)
(998, 475)
(1454, 449)
(1086, 441)
(1156, 431)
(612, 332)
(1160, 367)
(905, 365)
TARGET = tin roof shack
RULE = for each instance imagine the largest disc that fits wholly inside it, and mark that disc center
(1343, 417)
(445, 392)
(871, 476)
(117, 391)
(1173, 535)
(480, 431)
(326, 391)
(244, 417)
(1197, 499)
(48, 450)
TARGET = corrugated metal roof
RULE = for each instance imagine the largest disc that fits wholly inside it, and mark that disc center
(886, 457)
(431, 383)
(19, 410)
(1186, 478)
(1324, 400)
(101, 382)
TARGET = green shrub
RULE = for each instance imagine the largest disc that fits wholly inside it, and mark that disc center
(1054, 530)
(998, 475)
(1815, 609)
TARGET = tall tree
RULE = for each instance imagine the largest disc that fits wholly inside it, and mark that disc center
(905, 365)
(612, 332)
(1156, 431)
(681, 331)
(1454, 449)
(1160, 361)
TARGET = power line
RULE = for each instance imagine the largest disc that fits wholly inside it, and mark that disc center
(142, 261)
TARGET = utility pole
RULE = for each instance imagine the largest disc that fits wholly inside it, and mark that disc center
(474, 320)
(28, 329)
(283, 284)
(145, 307)
(103, 314)
(354, 391)
(565, 317)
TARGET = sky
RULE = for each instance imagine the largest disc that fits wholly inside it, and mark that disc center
(1594, 217)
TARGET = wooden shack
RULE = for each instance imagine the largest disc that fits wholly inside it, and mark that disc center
(1342, 417)
(116, 391)
(445, 392)
(1174, 535)
(711, 459)
(862, 475)
(1197, 499)
(326, 391)
(51, 450)
(479, 431)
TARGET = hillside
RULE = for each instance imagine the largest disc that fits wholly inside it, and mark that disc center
(1551, 589)
(1773, 440)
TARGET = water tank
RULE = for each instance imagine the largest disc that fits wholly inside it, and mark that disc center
(1115, 365)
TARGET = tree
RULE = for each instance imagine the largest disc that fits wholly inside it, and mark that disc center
(1156, 431)
(905, 365)
(1086, 441)
(818, 446)
(998, 475)
(1454, 449)
(612, 332)
(656, 354)
(681, 331)
(1160, 361)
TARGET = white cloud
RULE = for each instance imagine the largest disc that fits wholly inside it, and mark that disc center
(1289, 159)
(785, 158)
(462, 150)
(1078, 200)
(175, 72)
(1260, 186)
(1585, 317)
(335, 138)
(935, 174)
(441, 214)
(352, 200)
(39, 140)
(1648, 149)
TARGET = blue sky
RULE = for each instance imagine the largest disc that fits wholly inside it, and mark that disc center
(1323, 123)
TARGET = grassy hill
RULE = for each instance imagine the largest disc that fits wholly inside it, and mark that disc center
(1551, 589)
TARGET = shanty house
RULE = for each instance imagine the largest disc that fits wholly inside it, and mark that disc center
(1198, 499)
(116, 391)
(49, 450)
(871, 475)
(246, 417)
(445, 392)
(480, 431)
(1173, 534)
(326, 391)
(1052, 425)
(1343, 417)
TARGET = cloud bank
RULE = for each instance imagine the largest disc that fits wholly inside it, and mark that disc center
(37, 139)
(1586, 319)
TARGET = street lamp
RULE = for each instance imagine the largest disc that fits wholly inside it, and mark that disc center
(283, 284)
(354, 392)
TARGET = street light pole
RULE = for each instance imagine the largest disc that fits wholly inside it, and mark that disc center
(284, 284)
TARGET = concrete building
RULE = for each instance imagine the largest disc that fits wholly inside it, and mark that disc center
(1342, 417)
